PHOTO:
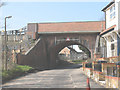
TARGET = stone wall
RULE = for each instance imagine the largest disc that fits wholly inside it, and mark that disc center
(112, 82)
(109, 80)
(110, 59)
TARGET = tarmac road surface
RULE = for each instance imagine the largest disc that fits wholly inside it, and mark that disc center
(63, 77)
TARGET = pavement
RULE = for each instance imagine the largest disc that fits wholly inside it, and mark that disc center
(63, 77)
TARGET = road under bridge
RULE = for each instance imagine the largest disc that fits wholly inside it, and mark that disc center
(53, 37)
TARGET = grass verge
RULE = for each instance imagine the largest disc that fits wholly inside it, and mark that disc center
(78, 61)
(18, 70)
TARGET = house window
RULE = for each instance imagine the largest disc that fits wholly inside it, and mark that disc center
(112, 46)
(111, 9)
(112, 12)
(110, 16)
(112, 39)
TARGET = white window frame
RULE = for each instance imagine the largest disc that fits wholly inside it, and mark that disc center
(112, 12)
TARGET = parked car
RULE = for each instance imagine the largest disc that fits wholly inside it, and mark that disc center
(102, 61)
(118, 63)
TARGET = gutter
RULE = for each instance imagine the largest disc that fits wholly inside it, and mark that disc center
(69, 32)
(108, 5)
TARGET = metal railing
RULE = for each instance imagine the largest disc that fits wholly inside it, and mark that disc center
(88, 65)
(98, 67)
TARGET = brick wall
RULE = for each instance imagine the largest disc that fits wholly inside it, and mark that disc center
(36, 57)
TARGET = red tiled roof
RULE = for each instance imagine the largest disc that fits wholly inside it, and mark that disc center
(108, 29)
(90, 26)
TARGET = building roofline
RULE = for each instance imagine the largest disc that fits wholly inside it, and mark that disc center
(108, 30)
(69, 32)
(65, 22)
(108, 5)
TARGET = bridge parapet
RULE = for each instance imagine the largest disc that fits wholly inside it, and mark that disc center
(81, 41)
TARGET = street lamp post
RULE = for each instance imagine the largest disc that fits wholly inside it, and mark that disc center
(20, 39)
(6, 43)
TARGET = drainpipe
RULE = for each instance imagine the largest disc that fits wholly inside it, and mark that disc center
(118, 44)
(55, 40)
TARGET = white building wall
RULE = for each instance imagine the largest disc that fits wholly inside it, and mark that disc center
(116, 20)
(116, 11)
(108, 49)
(118, 15)
(109, 22)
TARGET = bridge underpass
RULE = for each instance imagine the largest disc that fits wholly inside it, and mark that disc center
(54, 51)
(52, 37)
(70, 77)
(74, 52)
(44, 53)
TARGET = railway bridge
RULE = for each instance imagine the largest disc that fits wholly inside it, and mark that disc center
(53, 37)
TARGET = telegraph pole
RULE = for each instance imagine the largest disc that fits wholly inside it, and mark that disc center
(5, 46)
(6, 43)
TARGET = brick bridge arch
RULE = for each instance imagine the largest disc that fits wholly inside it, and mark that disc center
(43, 54)
(53, 53)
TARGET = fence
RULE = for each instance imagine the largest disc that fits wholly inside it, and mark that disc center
(98, 67)
(108, 73)
(16, 43)
(88, 65)
(113, 71)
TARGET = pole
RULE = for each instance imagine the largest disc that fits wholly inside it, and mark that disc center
(6, 43)
(55, 40)
(88, 84)
(5, 47)
(20, 40)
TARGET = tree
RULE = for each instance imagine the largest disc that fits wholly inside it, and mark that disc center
(85, 50)
(1, 3)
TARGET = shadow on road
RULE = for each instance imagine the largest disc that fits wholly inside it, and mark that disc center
(67, 65)
(55, 89)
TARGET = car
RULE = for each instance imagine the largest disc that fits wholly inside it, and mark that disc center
(118, 63)
(102, 61)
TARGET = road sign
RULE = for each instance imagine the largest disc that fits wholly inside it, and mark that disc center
(67, 39)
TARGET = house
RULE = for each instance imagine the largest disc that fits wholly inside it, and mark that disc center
(110, 37)
(65, 51)
(70, 53)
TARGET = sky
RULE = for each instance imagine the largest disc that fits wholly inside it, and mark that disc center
(40, 12)
(77, 48)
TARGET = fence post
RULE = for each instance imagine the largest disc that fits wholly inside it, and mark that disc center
(83, 63)
(118, 75)
(93, 63)
(118, 70)
(102, 67)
